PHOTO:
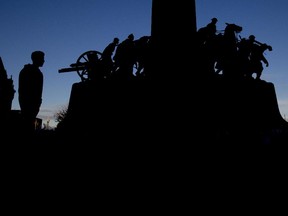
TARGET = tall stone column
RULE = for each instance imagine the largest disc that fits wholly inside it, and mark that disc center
(173, 31)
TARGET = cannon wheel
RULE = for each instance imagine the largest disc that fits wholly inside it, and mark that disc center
(81, 63)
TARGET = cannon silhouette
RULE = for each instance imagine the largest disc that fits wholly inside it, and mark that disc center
(85, 65)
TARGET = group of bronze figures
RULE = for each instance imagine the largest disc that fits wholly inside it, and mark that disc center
(229, 54)
(123, 61)
(219, 52)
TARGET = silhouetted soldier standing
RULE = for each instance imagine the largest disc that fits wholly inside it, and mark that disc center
(106, 59)
(211, 28)
(125, 58)
(244, 51)
(30, 90)
(208, 42)
(208, 32)
(94, 69)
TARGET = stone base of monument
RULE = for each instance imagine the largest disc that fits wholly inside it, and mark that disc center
(203, 112)
(249, 112)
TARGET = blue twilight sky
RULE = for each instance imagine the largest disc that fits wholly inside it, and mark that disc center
(64, 29)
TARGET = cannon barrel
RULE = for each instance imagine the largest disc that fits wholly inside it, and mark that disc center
(64, 70)
(73, 67)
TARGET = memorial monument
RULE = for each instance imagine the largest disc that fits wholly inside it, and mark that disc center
(178, 102)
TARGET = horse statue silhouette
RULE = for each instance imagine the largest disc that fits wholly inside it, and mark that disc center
(219, 52)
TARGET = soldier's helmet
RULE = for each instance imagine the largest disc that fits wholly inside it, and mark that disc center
(252, 37)
(131, 36)
(116, 40)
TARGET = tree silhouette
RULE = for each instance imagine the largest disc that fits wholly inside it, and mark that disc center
(61, 114)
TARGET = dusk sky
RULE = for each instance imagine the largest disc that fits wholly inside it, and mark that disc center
(64, 29)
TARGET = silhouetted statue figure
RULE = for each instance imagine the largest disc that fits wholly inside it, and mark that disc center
(256, 59)
(209, 44)
(244, 51)
(211, 27)
(94, 68)
(208, 32)
(142, 52)
(107, 57)
(228, 54)
(125, 58)
(30, 90)
(6, 91)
